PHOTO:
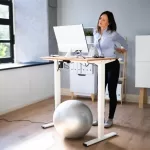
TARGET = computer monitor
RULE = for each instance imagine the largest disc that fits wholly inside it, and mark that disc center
(71, 38)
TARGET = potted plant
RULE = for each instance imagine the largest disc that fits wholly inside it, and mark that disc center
(89, 36)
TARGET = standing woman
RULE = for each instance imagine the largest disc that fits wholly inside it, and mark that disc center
(105, 40)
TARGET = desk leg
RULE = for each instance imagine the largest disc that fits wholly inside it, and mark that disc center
(57, 92)
(101, 107)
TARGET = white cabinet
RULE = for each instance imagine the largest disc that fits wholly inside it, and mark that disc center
(83, 79)
(142, 67)
(142, 61)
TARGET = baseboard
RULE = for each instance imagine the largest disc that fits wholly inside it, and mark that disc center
(129, 97)
(135, 98)
(23, 105)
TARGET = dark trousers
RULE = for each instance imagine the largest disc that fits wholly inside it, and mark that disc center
(112, 70)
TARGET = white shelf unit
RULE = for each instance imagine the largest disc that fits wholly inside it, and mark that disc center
(83, 79)
(121, 87)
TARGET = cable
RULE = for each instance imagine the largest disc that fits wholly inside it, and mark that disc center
(58, 68)
(3, 119)
(66, 65)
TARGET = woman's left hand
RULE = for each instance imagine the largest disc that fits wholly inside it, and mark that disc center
(120, 50)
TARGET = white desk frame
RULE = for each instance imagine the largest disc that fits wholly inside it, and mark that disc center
(101, 96)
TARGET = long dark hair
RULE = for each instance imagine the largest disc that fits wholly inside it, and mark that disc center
(112, 24)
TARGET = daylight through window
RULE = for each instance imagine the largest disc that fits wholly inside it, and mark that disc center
(6, 32)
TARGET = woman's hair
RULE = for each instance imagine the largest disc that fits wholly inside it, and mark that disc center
(112, 24)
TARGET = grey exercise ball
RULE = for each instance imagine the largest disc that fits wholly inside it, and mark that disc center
(72, 119)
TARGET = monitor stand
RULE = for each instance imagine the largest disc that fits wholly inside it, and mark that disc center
(77, 53)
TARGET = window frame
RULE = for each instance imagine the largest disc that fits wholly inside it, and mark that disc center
(8, 22)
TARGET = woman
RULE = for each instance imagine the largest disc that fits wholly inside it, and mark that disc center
(105, 40)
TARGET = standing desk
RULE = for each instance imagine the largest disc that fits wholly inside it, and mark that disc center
(100, 62)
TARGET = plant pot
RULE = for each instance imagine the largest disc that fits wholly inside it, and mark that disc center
(89, 39)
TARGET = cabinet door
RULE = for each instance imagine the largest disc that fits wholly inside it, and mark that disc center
(142, 48)
(82, 83)
(142, 74)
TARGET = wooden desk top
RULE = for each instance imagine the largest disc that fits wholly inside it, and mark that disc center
(79, 59)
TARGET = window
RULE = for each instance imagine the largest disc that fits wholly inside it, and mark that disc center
(6, 32)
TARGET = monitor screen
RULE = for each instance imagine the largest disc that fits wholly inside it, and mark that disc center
(71, 38)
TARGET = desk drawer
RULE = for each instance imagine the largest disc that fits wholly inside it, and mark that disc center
(83, 83)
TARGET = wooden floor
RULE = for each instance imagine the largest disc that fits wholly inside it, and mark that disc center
(131, 123)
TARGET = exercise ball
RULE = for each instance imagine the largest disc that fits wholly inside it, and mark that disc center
(72, 119)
